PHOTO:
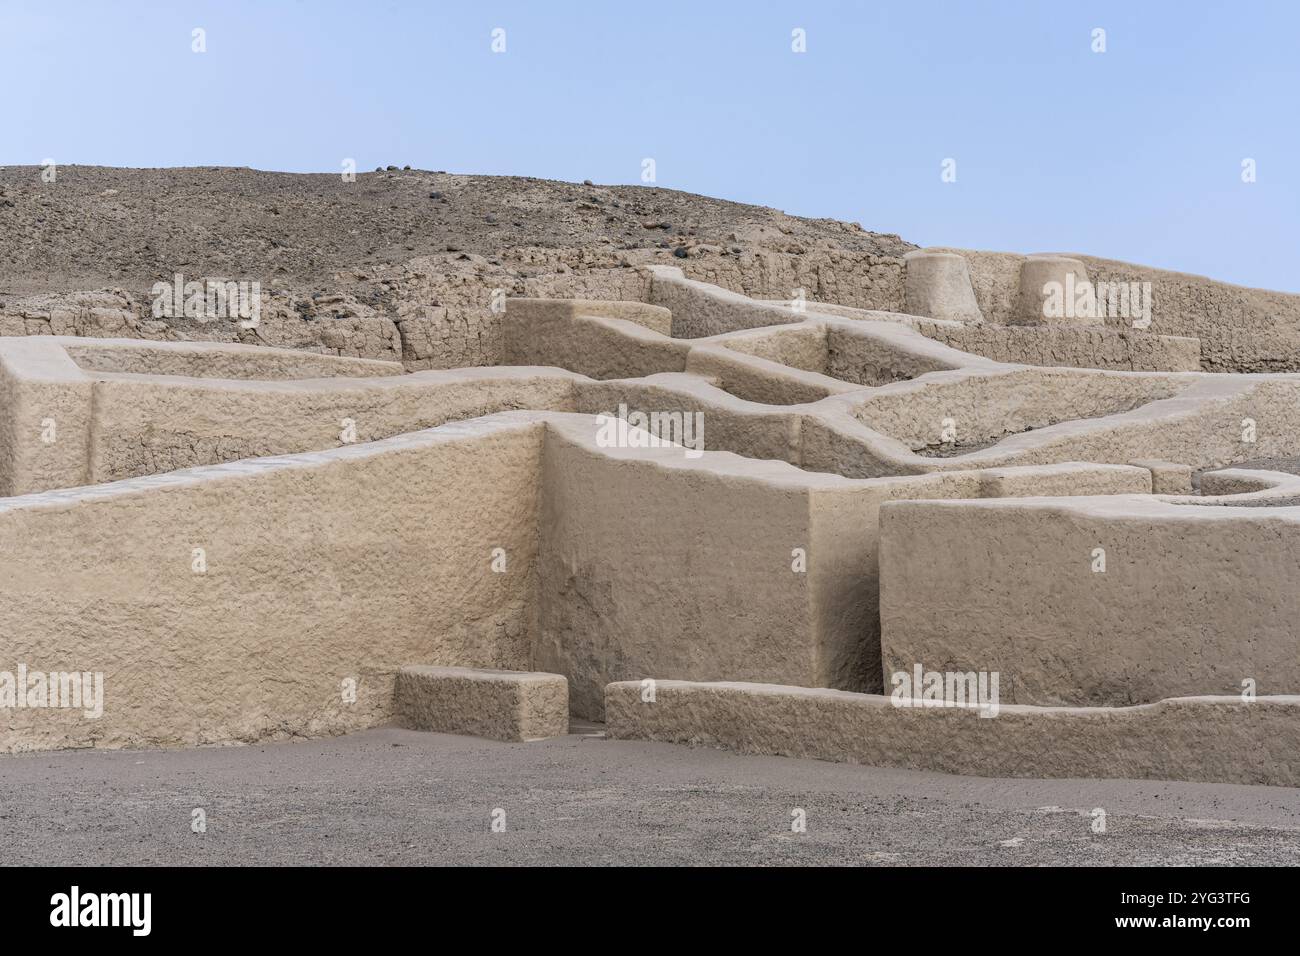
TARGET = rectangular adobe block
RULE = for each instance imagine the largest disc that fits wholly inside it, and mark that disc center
(502, 705)
(1167, 477)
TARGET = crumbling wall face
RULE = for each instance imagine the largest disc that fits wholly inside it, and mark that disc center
(440, 337)
(859, 280)
(328, 324)
(863, 360)
(862, 280)
(448, 310)
(1073, 347)
(446, 320)
(445, 312)
(1240, 329)
(109, 313)
(331, 324)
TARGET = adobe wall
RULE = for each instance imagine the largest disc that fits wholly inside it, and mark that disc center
(111, 425)
(442, 317)
(1241, 329)
(649, 558)
(1215, 420)
(940, 312)
(841, 354)
(45, 415)
(983, 407)
(320, 568)
(145, 425)
(761, 380)
(859, 280)
(1218, 739)
(1070, 346)
(201, 360)
(762, 565)
(700, 309)
(849, 519)
(644, 553)
(622, 342)
(1192, 599)
(731, 424)
(372, 556)
(803, 346)
(848, 423)
(332, 325)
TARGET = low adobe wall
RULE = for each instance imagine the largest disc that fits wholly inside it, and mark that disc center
(731, 424)
(1186, 599)
(1069, 346)
(1214, 420)
(620, 342)
(803, 358)
(761, 380)
(818, 357)
(1216, 739)
(63, 425)
(700, 309)
(989, 406)
(207, 360)
(144, 425)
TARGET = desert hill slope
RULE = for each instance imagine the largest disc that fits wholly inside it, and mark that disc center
(406, 260)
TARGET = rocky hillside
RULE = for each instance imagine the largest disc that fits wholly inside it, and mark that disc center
(398, 263)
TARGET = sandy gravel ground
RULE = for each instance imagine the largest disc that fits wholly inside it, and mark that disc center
(391, 796)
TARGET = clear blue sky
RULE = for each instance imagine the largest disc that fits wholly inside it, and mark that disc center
(1134, 153)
